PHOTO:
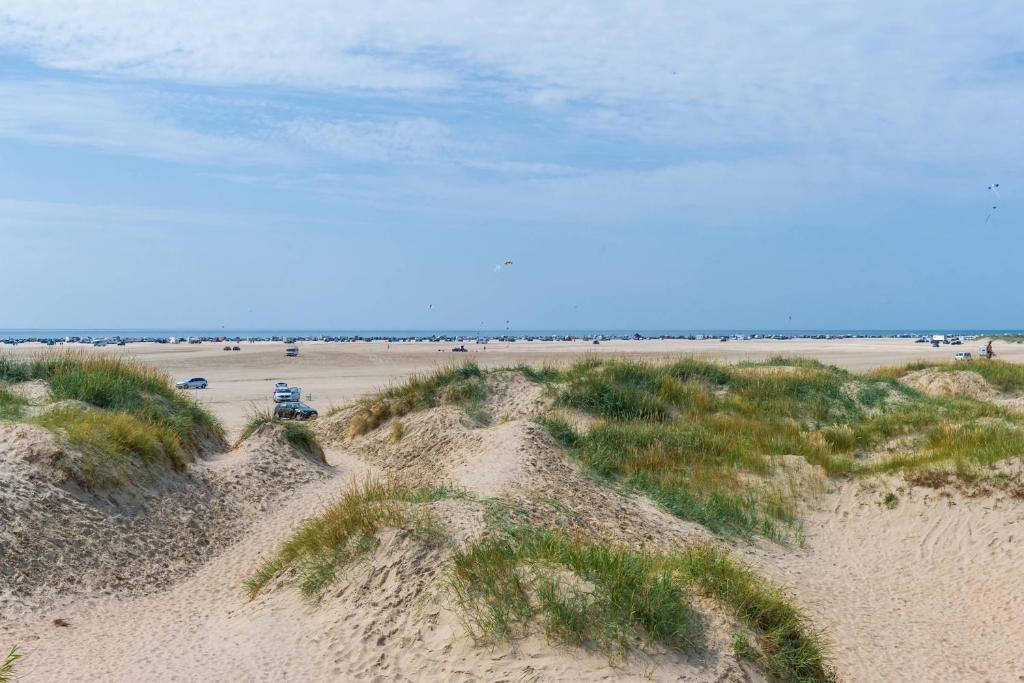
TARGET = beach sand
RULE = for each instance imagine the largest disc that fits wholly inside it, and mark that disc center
(332, 374)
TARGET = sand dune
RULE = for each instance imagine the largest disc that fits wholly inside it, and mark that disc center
(150, 586)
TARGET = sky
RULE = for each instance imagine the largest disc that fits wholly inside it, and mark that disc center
(645, 165)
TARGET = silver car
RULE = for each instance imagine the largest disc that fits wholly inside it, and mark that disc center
(192, 383)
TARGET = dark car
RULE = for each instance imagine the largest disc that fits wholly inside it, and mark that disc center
(294, 410)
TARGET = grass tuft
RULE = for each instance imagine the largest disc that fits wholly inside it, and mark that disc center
(117, 448)
(786, 645)
(7, 665)
(460, 385)
(297, 434)
(346, 531)
(580, 593)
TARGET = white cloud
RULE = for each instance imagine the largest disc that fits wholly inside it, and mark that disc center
(105, 117)
(908, 82)
(380, 140)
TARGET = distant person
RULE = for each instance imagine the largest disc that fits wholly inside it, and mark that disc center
(988, 350)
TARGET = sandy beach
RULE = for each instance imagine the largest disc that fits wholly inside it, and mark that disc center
(332, 374)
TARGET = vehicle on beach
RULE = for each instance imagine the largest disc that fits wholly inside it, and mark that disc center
(291, 351)
(287, 394)
(963, 355)
(280, 385)
(294, 410)
(192, 383)
(460, 349)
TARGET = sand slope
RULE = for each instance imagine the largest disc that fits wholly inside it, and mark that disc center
(932, 590)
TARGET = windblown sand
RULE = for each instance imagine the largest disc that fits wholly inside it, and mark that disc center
(931, 590)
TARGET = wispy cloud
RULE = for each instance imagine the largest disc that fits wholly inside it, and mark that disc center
(108, 118)
(382, 140)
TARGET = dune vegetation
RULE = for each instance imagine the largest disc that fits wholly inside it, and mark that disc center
(124, 416)
(1006, 377)
(7, 665)
(516, 578)
(347, 530)
(706, 441)
(297, 434)
(461, 385)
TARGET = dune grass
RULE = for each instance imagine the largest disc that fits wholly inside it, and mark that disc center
(133, 418)
(787, 647)
(705, 440)
(12, 406)
(347, 530)
(461, 385)
(117, 448)
(612, 597)
(580, 593)
(516, 578)
(1004, 376)
(297, 434)
(7, 665)
(120, 385)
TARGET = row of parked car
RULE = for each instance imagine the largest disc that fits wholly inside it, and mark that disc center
(287, 399)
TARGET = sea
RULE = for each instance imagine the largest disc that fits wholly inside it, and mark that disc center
(207, 333)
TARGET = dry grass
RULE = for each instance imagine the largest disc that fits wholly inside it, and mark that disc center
(462, 385)
(347, 530)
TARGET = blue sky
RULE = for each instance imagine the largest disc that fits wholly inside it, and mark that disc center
(645, 164)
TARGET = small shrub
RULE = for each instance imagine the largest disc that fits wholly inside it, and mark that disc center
(890, 500)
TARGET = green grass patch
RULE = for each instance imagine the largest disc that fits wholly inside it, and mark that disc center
(462, 385)
(297, 434)
(579, 593)
(326, 544)
(705, 440)
(786, 647)
(116, 448)
(12, 406)
(118, 385)
(7, 665)
(133, 420)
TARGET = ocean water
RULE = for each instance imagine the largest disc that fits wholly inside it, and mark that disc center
(127, 333)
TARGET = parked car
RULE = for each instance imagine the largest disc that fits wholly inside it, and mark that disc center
(287, 394)
(963, 355)
(280, 385)
(291, 351)
(955, 342)
(460, 349)
(236, 348)
(192, 383)
(294, 410)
